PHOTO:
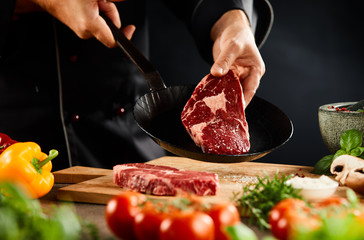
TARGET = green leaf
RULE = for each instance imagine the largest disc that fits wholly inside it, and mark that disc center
(269, 238)
(351, 139)
(241, 232)
(9, 227)
(23, 218)
(323, 165)
(68, 222)
(353, 199)
(12, 196)
(339, 153)
(357, 151)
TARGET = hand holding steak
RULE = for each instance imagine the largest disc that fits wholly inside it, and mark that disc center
(235, 47)
(214, 116)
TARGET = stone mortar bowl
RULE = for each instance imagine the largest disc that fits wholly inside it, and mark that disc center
(333, 123)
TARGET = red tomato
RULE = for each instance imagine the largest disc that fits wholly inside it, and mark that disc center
(147, 222)
(120, 212)
(191, 225)
(286, 215)
(223, 215)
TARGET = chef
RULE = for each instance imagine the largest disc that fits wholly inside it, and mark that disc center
(64, 85)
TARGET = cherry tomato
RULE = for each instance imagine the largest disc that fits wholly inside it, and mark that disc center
(286, 215)
(191, 225)
(223, 215)
(147, 222)
(120, 212)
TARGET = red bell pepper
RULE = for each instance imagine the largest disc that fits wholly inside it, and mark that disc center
(5, 141)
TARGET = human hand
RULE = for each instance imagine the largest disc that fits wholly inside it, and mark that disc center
(234, 48)
(82, 16)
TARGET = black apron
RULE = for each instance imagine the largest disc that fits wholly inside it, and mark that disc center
(77, 95)
(51, 81)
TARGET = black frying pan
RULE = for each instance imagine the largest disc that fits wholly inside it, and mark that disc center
(158, 113)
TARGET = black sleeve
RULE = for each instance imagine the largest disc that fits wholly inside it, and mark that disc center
(263, 19)
(200, 16)
(6, 14)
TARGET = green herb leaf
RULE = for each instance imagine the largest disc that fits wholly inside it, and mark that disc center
(241, 232)
(350, 142)
(357, 151)
(23, 218)
(353, 199)
(351, 139)
(323, 165)
(339, 153)
(269, 238)
(181, 203)
(258, 199)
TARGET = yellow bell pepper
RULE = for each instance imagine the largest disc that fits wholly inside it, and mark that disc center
(27, 166)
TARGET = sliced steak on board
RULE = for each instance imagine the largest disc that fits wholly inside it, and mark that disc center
(214, 116)
(164, 181)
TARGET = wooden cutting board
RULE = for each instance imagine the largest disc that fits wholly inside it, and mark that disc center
(93, 185)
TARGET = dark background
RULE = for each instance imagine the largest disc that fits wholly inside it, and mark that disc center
(313, 56)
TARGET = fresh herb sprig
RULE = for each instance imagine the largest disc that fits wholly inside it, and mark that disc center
(24, 218)
(258, 199)
(351, 142)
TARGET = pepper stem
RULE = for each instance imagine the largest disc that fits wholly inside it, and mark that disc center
(52, 154)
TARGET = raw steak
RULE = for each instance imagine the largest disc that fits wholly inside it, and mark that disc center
(214, 116)
(164, 181)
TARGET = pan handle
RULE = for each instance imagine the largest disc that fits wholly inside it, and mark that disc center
(151, 74)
